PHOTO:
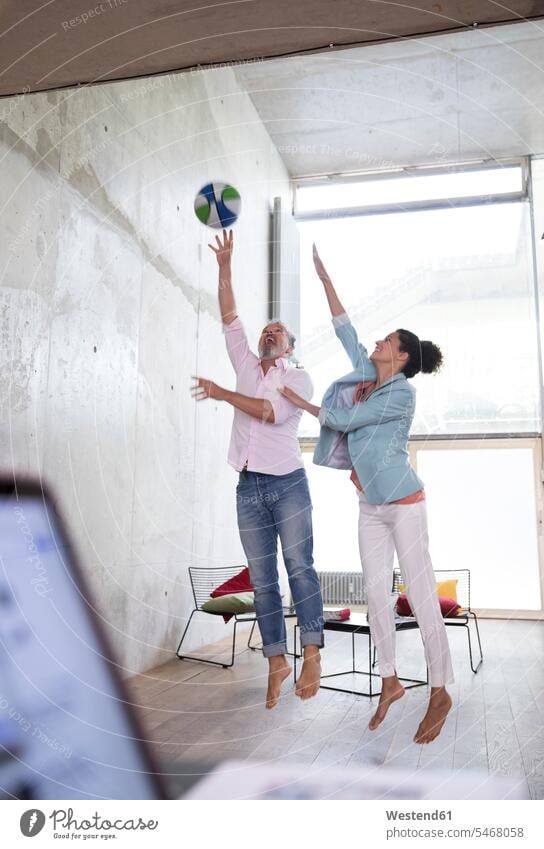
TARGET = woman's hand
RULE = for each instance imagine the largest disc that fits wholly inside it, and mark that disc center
(318, 265)
(223, 251)
(298, 401)
(206, 389)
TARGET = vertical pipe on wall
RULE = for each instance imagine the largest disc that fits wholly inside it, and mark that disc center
(274, 303)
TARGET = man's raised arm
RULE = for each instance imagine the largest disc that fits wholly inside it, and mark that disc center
(223, 254)
(235, 337)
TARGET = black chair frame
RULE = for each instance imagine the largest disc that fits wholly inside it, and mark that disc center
(463, 619)
(203, 582)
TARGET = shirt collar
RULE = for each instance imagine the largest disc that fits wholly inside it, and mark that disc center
(279, 362)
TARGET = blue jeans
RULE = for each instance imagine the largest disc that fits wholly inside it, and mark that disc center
(269, 506)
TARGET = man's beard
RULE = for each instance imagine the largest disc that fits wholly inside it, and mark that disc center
(268, 351)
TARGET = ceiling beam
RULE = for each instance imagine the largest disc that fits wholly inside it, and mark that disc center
(51, 44)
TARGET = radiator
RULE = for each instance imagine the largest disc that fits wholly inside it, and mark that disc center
(342, 587)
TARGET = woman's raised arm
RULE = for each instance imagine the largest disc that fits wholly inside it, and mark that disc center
(335, 304)
(342, 325)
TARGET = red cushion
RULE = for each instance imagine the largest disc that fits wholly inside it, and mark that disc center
(239, 583)
(403, 607)
(448, 606)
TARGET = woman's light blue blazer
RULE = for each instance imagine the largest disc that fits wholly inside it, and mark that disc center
(371, 436)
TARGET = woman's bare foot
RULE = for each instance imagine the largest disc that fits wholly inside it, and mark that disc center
(392, 690)
(278, 671)
(309, 679)
(437, 711)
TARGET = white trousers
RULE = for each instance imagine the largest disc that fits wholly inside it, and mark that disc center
(382, 529)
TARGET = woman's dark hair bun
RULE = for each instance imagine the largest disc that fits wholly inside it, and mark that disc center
(422, 356)
(431, 357)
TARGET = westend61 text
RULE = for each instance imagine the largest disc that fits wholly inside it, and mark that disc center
(418, 815)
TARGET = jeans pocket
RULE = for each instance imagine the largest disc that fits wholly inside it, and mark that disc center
(243, 482)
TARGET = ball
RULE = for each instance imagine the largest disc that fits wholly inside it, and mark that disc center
(218, 205)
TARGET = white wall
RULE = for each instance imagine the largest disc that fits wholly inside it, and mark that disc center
(107, 307)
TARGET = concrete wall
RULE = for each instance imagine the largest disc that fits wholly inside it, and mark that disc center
(107, 307)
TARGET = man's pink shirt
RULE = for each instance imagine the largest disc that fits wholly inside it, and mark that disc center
(271, 449)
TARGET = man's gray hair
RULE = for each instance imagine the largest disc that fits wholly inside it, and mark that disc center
(291, 336)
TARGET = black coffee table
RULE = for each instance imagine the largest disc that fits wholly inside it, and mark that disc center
(358, 624)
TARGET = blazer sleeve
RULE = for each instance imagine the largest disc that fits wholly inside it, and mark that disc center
(384, 407)
(357, 352)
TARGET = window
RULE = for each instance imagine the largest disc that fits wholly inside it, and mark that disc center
(415, 187)
(482, 516)
(461, 276)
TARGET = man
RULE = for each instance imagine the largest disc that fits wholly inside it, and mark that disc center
(272, 495)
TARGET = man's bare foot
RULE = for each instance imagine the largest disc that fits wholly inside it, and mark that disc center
(437, 711)
(309, 679)
(392, 690)
(278, 671)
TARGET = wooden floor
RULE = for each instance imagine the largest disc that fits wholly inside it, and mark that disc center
(203, 714)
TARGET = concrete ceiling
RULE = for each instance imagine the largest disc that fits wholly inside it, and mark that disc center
(47, 44)
(456, 97)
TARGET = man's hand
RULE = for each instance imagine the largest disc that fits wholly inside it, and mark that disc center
(206, 389)
(223, 251)
(318, 265)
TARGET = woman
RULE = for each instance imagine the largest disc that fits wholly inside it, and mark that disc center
(365, 423)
